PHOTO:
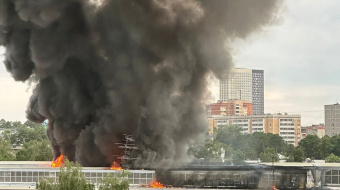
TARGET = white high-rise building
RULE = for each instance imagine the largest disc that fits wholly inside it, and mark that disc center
(244, 84)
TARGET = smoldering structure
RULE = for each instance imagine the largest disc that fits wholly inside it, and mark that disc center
(113, 67)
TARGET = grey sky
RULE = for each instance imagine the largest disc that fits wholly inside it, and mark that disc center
(299, 55)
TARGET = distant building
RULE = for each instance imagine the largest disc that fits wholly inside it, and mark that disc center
(318, 130)
(230, 108)
(244, 84)
(287, 126)
(332, 119)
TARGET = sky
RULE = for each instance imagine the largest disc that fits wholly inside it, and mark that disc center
(299, 55)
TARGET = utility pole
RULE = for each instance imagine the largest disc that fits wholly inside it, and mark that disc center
(273, 171)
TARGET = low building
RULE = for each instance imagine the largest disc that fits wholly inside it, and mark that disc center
(287, 126)
(318, 130)
(25, 174)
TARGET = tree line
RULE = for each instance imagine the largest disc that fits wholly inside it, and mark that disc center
(24, 142)
(265, 147)
(28, 142)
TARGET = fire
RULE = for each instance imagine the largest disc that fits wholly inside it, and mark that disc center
(116, 166)
(58, 162)
(156, 184)
(274, 188)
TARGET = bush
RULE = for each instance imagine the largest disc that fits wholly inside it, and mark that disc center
(332, 158)
(114, 183)
(71, 178)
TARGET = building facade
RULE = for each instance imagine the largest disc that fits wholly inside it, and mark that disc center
(258, 91)
(318, 130)
(332, 119)
(287, 126)
(25, 174)
(244, 84)
(230, 108)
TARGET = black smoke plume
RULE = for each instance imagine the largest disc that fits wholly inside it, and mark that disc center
(113, 67)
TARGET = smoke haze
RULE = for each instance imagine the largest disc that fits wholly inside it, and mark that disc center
(135, 67)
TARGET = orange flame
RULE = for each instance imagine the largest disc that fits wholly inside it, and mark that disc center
(274, 188)
(58, 162)
(156, 184)
(115, 166)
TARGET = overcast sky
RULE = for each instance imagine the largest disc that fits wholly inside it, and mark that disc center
(299, 56)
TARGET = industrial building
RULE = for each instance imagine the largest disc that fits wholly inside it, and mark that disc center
(244, 84)
(25, 174)
(288, 175)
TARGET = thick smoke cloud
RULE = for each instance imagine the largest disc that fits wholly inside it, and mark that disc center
(133, 67)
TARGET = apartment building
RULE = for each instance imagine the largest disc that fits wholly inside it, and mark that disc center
(318, 130)
(230, 108)
(287, 126)
(332, 119)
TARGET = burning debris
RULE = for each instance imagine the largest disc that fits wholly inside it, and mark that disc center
(58, 162)
(115, 166)
(156, 184)
(133, 67)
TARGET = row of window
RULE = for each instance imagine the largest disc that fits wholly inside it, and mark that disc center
(286, 119)
(92, 177)
(257, 120)
(286, 124)
(284, 129)
(332, 177)
(286, 133)
(240, 120)
(242, 125)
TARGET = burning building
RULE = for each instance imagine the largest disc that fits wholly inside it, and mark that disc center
(102, 69)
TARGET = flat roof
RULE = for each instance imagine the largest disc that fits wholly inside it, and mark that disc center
(46, 165)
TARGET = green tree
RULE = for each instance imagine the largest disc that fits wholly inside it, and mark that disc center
(35, 151)
(332, 158)
(269, 155)
(238, 156)
(258, 142)
(239, 147)
(71, 178)
(231, 135)
(299, 155)
(276, 142)
(5, 124)
(289, 150)
(310, 146)
(336, 145)
(211, 150)
(325, 147)
(6, 152)
(26, 133)
(115, 183)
